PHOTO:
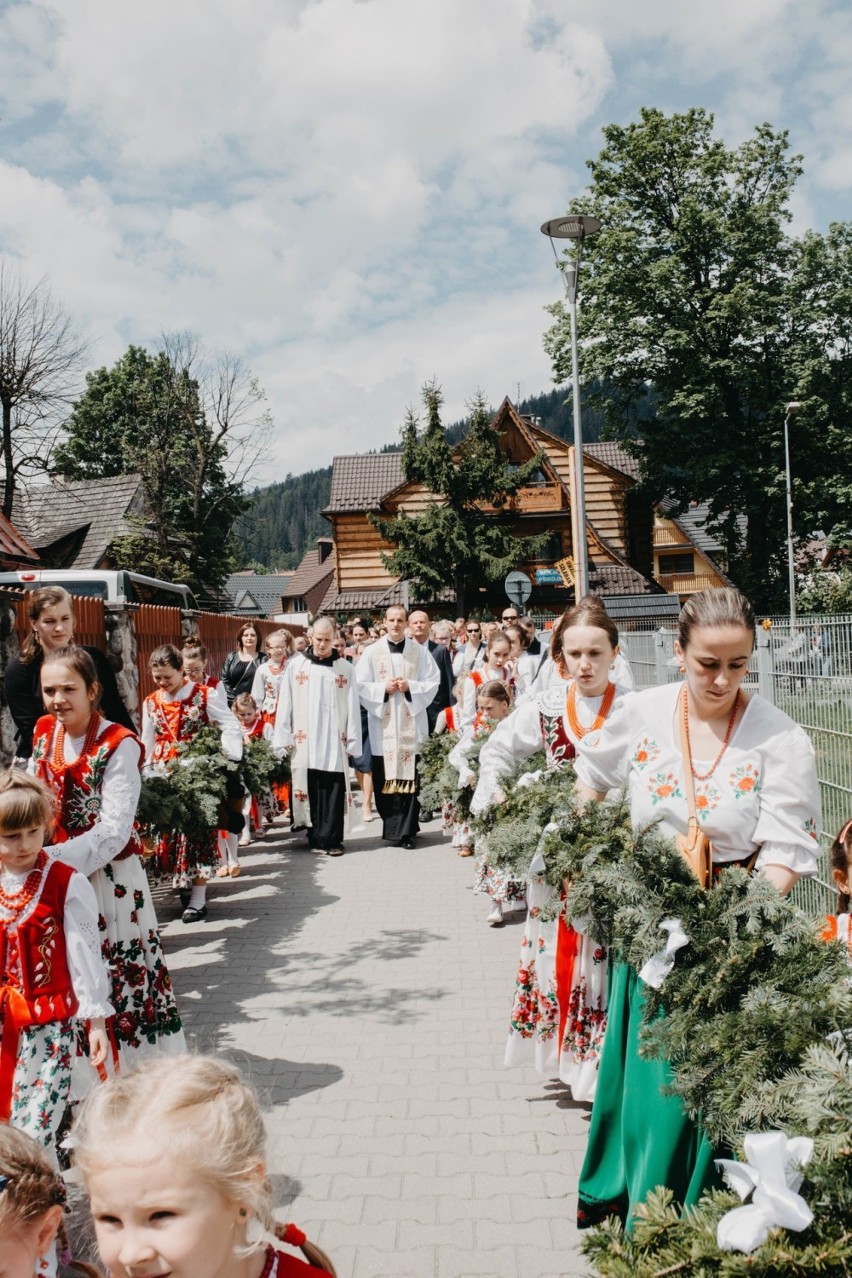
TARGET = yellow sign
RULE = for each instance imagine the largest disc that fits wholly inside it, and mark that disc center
(565, 568)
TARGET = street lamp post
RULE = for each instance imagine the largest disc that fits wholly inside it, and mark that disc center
(792, 410)
(575, 227)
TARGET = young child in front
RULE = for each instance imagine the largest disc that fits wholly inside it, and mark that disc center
(265, 690)
(839, 925)
(173, 1159)
(32, 1196)
(253, 726)
(51, 971)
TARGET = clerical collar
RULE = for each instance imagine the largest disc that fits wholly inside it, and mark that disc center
(396, 647)
(319, 661)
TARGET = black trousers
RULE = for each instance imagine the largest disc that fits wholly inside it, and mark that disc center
(400, 813)
(327, 799)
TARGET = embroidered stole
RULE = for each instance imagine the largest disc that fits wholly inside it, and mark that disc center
(399, 729)
(301, 730)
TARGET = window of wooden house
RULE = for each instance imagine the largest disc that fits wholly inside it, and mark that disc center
(682, 563)
(550, 552)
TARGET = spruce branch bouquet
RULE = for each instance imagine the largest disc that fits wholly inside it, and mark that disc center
(189, 796)
(260, 767)
(431, 762)
(754, 1018)
(535, 796)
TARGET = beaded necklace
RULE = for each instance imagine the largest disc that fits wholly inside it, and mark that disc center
(15, 903)
(702, 776)
(601, 716)
(57, 756)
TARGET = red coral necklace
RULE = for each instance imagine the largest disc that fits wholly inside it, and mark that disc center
(600, 718)
(702, 776)
(57, 756)
(16, 902)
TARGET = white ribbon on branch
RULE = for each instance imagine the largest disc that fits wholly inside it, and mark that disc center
(772, 1175)
(659, 965)
(528, 778)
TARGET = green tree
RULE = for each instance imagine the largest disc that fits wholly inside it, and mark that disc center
(693, 320)
(189, 428)
(455, 542)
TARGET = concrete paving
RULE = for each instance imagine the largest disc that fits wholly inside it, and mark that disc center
(367, 1002)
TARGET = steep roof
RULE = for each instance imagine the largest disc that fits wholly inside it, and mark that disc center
(614, 456)
(96, 508)
(13, 545)
(259, 593)
(359, 481)
(316, 566)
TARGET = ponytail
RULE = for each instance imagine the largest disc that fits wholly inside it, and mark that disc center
(314, 1255)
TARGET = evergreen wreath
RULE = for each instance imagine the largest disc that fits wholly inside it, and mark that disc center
(260, 767)
(431, 763)
(190, 795)
(755, 1019)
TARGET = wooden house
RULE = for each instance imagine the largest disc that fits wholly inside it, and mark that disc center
(621, 526)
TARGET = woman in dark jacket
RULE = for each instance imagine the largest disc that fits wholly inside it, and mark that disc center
(51, 615)
(240, 666)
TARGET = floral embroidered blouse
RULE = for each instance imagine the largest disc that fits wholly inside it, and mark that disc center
(763, 794)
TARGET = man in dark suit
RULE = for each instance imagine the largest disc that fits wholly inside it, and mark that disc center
(419, 625)
(528, 625)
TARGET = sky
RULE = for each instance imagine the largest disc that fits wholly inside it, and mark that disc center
(348, 193)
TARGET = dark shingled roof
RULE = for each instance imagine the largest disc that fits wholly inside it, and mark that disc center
(13, 544)
(360, 481)
(265, 589)
(615, 456)
(312, 571)
(95, 507)
(618, 579)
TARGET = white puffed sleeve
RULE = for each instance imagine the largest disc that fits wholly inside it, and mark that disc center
(119, 799)
(149, 732)
(457, 758)
(517, 737)
(605, 766)
(89, 975)
(789, 821)
(232, 729)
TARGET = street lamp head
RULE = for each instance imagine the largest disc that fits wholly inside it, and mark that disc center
(572, 226)
(794, 408)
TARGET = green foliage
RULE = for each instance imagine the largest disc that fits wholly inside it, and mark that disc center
(261, 769)
(145, 415)
(282, 521)
(703, 317)
(189, 797)
(827, 592)
(436, 775)
(454, 543)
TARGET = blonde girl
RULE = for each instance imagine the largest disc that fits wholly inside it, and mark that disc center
(173, 1158)
(265, 690)
(32, 1199)
(52, 975)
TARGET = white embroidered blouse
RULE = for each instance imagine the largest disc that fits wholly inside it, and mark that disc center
(763, 794)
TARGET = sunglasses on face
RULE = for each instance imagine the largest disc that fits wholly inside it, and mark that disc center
(473, 630)
(510, 616)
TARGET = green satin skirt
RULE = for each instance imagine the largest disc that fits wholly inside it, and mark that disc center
(639, 1138)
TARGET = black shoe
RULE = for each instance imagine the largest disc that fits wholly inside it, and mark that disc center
(184, 894)
(406, 843)
(427, 816)
(193, 915)
(334, 851)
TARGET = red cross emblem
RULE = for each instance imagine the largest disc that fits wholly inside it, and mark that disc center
(341, 681)
(302, 676)
(300, 736)
(301, 795)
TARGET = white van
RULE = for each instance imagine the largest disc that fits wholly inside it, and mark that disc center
(111, 585)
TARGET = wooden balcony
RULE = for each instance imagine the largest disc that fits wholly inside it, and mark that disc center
(668, 535)
(537, 498)
(686, 583)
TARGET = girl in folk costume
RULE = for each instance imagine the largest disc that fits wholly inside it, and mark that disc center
(733, 779)
(495, 666)
(93, 768)
(449, 720)
(194, 663)
(172, 715)
(32, 1201)
(266, 690)
(254, 728)
(51, 970)
(839, 926)
(493, 705)
(174, 1163)
(524, 666)
(559, 1007)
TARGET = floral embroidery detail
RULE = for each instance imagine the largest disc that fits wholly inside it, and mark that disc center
(707, 798)
(809, 827)
(647, 752)
(745, 780)
(558, 746)
(664, 785)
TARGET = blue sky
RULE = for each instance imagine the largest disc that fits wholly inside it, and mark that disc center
(347, 193)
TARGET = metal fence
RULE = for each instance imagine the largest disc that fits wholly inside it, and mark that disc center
(807, 673)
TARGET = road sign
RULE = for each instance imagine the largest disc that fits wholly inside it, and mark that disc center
(566, 569)
(518, 588)
(548, 577)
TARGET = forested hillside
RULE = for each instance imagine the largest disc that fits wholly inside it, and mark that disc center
(284, 518)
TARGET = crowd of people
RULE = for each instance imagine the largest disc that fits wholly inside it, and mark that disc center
(86, 996)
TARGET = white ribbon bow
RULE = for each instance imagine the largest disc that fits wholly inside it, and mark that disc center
(772, 1171)
(528, 778)
(659, 965)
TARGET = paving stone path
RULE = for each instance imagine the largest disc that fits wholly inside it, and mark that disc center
(367, 1001)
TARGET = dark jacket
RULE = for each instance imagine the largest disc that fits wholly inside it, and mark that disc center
(23, 694)
(237, 675)
(444, 696)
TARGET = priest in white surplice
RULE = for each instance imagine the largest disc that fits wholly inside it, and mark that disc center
(397, 678)
(319, 721)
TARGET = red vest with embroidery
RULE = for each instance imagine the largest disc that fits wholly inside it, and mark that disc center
(558, 746)
(44, 983)
(78, 786)
(176, 721)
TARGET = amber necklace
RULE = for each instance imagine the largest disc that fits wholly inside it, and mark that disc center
(57, 757)
(702, 776)
(15, 903)
(600, 719)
